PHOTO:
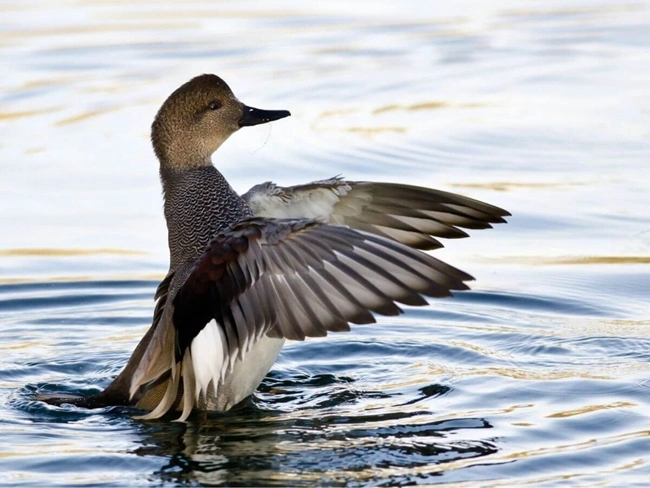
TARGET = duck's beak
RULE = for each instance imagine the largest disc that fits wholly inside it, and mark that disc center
(254, 116)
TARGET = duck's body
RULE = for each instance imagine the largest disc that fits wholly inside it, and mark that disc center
(214, 206)
(248, 272)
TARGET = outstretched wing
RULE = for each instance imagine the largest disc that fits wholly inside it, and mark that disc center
(291, 279)
(408, 214)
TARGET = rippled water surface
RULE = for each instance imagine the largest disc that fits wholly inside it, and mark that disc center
(540, 375)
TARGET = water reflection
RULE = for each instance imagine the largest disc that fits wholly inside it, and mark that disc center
(258, 447)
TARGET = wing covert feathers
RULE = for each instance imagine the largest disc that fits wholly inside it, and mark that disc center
(412, 215)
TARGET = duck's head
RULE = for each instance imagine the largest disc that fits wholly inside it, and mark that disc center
(197, 118)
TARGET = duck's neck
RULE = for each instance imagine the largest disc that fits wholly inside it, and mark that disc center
(199, 203)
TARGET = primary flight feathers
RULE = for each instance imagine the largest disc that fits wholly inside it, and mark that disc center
(408, 214)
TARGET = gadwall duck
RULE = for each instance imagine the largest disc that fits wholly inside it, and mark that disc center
(248, 272)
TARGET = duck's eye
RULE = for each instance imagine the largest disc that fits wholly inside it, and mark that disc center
(214, 105)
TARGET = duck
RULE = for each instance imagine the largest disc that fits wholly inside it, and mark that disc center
(249, 272)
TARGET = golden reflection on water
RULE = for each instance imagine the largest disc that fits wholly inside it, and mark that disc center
(517, 373)
(432, 105)
(484, 351)
(82, 278)
(43, 83)
(19, 114)
(576, 10)
(602, 260)
(511, 186)
(571, 260)
(93, 29)
(559, 480)
(337, 112)
(56, 279)
(53, 449)
(116, 341)
(86, 115)
(22, 345)
(370, 131)
(601, 442)
(67, 252)
(590, 409)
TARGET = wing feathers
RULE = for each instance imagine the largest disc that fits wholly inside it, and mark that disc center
(295, 279)
(298, 279)
(408, 214)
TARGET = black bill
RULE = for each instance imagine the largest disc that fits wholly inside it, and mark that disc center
(255, 116)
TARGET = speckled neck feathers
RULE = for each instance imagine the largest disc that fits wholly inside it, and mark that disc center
(199, 202)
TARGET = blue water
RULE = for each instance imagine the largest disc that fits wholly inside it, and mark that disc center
(538, 376)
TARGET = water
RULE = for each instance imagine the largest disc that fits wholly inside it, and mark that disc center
(539, 376)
